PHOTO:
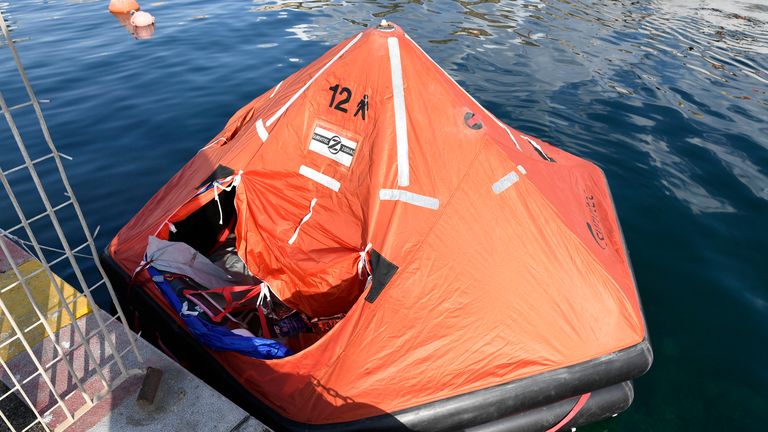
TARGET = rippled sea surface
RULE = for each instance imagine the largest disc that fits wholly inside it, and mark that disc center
(667, 96)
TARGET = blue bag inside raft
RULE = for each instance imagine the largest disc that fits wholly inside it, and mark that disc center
(214, 336)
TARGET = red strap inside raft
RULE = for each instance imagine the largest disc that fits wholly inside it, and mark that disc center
(264, 326)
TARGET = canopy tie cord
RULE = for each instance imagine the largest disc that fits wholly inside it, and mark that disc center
(141, 267)
(572, 413)
(264, 294)
(217, 186)
(364, 262)
(303, 221)
(264, 299)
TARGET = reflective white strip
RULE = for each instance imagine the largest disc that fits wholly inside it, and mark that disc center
(465, 92)
(275, 90)
(522, 170)
(329, 182)
(401, 125)
(303, 221)
(261, 130)
(505, 182)
(533, 143)
(409, 197)
(311, 80)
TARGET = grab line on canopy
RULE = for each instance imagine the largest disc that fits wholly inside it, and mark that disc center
(311, 80)
(212, 143)
(275, 90)
(539, 150)
(514, 140)
(303, 221)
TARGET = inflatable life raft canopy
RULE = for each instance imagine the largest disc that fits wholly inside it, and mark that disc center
(482, 271)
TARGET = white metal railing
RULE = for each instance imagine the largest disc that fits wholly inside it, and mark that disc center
(100, 367)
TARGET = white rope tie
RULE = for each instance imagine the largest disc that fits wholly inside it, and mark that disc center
(364, 263)
(218, 203)
(217, 186)
(138, 267)
(141, 265)
(264, 295)
(303, 221)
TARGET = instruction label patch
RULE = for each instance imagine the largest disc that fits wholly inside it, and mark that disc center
(332, 145)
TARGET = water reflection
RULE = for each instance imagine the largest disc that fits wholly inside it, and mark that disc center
(138, 32)
(629, 53)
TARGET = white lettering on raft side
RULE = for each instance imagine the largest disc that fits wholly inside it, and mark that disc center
(505, 182)
(329, 182)
(261, 130)
(293, 98)
(332, 145)
(401, 125)
(522, 170)
(409, 197)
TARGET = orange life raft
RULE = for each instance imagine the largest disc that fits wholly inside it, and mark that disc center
(481, 271)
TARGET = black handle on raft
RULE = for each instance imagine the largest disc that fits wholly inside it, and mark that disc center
(476, 125)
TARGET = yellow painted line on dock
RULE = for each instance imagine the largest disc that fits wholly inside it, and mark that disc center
(44, 294)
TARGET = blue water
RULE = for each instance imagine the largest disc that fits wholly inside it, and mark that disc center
(668, 97)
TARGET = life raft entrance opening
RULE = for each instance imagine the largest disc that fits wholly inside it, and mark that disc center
(240, 306)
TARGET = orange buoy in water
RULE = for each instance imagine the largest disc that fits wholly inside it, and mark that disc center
(142, 19)
(123, 6)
